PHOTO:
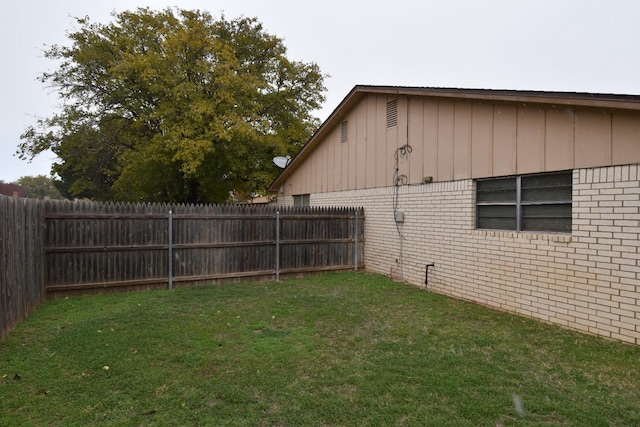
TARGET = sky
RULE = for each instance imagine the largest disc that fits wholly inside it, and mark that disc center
(548, 45)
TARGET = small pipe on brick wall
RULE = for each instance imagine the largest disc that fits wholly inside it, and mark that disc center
(426, 275)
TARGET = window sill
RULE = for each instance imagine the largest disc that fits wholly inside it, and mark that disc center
(562, 238)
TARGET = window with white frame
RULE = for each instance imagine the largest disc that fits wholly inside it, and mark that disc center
(540, 202)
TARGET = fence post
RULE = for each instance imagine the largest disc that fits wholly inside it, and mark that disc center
(277, 246)
(355, 246)
(170, 250)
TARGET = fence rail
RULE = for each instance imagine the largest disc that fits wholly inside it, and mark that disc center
(105, 247)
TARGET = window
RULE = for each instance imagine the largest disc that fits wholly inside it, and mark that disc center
(525, 203)
(301, 200)
(344, 132)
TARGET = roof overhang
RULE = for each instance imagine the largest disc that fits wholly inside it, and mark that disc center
(572, 99)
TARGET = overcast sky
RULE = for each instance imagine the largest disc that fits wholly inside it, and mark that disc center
(550, 45)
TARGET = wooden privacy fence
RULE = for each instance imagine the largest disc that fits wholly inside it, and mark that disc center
(21, 260)
(91, 246)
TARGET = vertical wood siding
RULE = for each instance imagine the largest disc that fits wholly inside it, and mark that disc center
(416, 112)
(455, 139)
(358, 151)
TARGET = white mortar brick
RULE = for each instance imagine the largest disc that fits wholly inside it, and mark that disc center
(627, 336)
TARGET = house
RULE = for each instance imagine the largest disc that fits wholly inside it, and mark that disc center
(526, 202)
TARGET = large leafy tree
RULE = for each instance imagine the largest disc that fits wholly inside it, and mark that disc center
(173, 106)
(39, 187)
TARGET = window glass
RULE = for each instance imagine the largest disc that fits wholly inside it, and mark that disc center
(301, 200)
(500, 217)
(555, 187)
(547, 218)
(497, 190)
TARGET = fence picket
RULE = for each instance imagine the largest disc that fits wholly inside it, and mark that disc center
(22, 261)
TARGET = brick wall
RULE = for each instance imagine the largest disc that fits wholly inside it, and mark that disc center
(588, 281)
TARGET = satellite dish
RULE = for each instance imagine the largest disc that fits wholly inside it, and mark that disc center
(282, 161)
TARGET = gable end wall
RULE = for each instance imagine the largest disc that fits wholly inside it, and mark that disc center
(462, 139)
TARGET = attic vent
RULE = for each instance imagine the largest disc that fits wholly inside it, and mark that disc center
(344, 132)
(392, 113)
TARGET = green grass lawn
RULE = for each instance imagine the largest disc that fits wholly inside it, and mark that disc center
(338, 349)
